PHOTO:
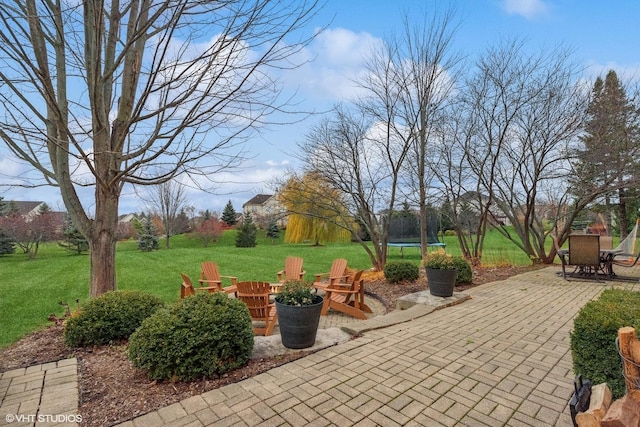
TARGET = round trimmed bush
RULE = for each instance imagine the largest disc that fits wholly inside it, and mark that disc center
(465, 273)
(202, 336)
(401, 271)
(112, 316)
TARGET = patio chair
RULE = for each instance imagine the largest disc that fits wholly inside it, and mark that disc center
(626, 260)
(606, 242)
(336, 275)
(626, 255)
(210, 276)
(292, 269)
(263, 312)
(347, 298)
(188, 289)
(583, 254)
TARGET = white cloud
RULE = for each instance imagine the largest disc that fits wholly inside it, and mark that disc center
(336, 58)
(529, 9)
(273, 163)
(629, 74)
(9, 168)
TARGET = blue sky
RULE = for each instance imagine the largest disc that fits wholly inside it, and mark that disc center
(604, 35)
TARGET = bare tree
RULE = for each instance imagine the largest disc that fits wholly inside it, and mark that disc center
(168, 199)
(457, 182)
(427, 66)
(522, 114)
(101, 94)
(536, 155)
(364, 152)
(362, 160)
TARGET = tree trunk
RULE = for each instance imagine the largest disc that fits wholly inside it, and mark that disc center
(422, 191)
(103, 266)
(622, 213)
(103, 242)
(423, 226)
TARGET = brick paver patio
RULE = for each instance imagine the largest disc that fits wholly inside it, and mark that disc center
(500, 358)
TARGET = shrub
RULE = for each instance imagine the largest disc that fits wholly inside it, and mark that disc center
(595, 330)
(109, 317)
(440, 260)
(401, 271)
(465, 273)
(201, 336)
(209, 231)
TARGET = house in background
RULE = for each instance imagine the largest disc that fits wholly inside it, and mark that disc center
(126, 218)
(264, 207)
(30, 210)
(27, 210)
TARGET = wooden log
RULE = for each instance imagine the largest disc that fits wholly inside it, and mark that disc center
(635, 395)
(598, 406)
(626, 336)
(624, 412)
(635, 351)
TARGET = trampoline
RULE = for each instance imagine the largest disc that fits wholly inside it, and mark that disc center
(404, 232)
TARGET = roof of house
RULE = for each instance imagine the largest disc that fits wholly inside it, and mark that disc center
(23, 207)
(126, 217)
(258, 199)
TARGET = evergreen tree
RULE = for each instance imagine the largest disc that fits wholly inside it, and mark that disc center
(74, 241)
(7, 244)
(4, 207)
(273, 230)
(44, 208)
(609, 157)
(229, 215)
(247, 233)
(148, 236)
(11, 209)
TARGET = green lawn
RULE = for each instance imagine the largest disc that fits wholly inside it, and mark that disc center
(32, 289)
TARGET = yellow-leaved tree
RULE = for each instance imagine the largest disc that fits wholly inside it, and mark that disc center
(316, 211)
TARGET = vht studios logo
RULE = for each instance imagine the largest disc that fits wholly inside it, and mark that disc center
(43, 418)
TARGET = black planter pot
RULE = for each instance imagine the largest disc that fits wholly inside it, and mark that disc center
(299, 324)
(441, 282)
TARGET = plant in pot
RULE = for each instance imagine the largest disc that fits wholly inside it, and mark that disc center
(441, 273)
(298, 313)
